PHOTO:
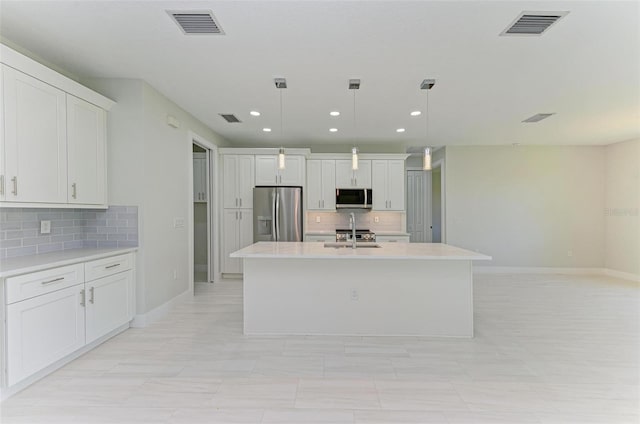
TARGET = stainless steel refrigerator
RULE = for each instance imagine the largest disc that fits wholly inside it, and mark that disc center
(277, 214)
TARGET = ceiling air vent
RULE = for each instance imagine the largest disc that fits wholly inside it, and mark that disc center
(532, 23)
(538, 117)
(196, 21)
(230, 118)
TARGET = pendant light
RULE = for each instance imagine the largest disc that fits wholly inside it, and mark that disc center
(354, 84)
(427, 85)
(281, 84)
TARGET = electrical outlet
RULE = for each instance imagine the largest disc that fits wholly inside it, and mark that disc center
(317, 219)
(45, 227)
(354, 294)
(178, 222)
(175, 274)
(570, 253)
(376, 219)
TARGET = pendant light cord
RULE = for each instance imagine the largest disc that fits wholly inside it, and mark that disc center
(426, 113)
(281, 133)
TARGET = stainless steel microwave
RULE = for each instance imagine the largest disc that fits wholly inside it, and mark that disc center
(353, 198)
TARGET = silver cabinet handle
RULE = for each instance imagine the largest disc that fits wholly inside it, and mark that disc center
(15, 186)
(73, 190)
(111, 266)
(82, 298)
(240, 214)
(241, 202)
(1, 185)
(91, 294)
(55, 280)
(236, 201)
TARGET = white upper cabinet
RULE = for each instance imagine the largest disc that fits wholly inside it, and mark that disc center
(86, 152)
(35, 140)
(199, 177)
(346, 177)
(238, 181)
(52, 137)
(321, 184)
(268, 174)
(388, 185)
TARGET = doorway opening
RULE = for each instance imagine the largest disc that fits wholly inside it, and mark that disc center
(426, 204)
(200, 215)
(202, 199)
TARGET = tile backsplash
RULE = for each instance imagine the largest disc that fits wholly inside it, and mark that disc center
(20, 234)
(329, 221)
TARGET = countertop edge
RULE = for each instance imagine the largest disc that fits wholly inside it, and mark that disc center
(369, 257)
(82, 255)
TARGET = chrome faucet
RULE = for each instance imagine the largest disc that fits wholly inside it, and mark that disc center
(352, 221)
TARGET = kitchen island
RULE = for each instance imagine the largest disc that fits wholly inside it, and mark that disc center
(421, 289)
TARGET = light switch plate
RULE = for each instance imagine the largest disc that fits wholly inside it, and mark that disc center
(376, 219)
(317, 219)
(178, 223)
(45, 227)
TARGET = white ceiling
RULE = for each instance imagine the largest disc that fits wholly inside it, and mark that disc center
(585, 69)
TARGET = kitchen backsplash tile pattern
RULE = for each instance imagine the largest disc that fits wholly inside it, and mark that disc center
(329, 221)
(70, 229)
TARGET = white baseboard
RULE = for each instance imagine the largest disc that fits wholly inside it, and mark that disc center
(555, 270)
(620, 274)
(534, 270)
(143, 320)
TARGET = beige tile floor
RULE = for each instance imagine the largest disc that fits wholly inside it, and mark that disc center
(548, 349)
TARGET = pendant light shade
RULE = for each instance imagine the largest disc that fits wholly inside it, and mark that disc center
(354, 158)
(281, 163)
(426, 164)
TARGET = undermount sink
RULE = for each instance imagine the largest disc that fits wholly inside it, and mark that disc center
(338, 245)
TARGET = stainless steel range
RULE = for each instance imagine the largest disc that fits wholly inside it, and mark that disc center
(346, 235)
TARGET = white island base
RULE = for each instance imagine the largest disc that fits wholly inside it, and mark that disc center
(311, 290)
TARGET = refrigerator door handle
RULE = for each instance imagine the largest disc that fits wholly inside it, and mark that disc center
(277, 215)
(273, 217)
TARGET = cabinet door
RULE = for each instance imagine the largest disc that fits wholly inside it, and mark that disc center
(245, 230)
(363, 174)
(379, 184)
(293, 172)
(42, 330)
(267, 170)
(35, 139)
(344, 174)
(328, 184)
(109, 303)
(3, 179)
(199, 177)
(230, 241)
(246, 180)
(314, 184)
(396, 185)
(230, 171)
(86, 152)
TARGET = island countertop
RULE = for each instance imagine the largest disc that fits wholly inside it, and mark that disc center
(302, 250)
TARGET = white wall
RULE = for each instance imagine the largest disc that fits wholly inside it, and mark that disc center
(622, 205)
(527, 206)
(149, 166)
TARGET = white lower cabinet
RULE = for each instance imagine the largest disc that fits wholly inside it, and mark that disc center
(237, 233)
(109, 304)
(53, 313)
(42, 330)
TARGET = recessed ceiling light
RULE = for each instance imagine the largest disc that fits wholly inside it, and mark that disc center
(400, 130)
(266, 129)
(334, 113)
(333, 129)
(254, 113)
(416, 113)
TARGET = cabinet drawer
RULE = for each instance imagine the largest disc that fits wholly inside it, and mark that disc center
(107, 266)
(42, 282)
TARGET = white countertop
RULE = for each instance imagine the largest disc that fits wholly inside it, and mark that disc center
(25, 264)
(296, 250)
